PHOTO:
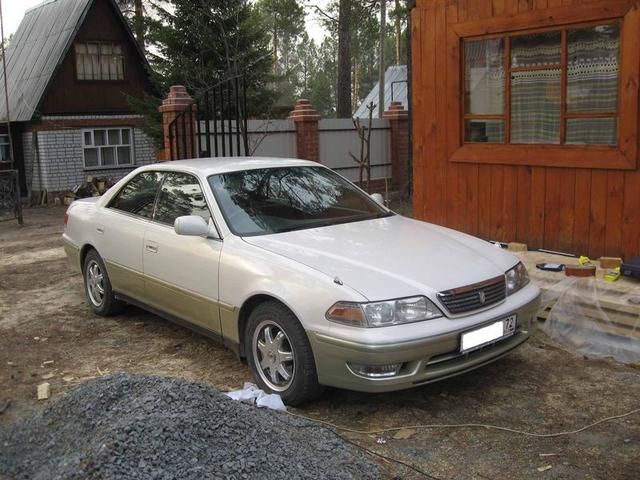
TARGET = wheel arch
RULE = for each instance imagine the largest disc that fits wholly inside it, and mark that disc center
(248, 306)
(86, 248)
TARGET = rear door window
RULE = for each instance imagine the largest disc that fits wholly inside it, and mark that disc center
(139, 195)
(181, 195)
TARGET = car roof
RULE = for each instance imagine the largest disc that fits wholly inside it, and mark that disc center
(215, 165)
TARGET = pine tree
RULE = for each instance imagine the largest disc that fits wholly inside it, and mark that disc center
(197, 43)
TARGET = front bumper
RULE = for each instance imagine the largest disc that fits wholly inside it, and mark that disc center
(424, 361)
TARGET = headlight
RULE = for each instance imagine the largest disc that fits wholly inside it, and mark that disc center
(383, 314)
(517, 278)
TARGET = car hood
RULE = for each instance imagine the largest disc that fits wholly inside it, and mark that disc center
(391, 257)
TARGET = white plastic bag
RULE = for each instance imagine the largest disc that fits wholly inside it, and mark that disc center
(251, 394)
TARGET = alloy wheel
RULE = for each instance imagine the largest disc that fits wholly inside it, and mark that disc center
(95, 283)
(274, 355)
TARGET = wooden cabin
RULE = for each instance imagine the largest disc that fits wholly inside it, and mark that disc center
(525, 121)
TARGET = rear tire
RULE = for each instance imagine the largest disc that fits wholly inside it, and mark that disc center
(97, 286)
(279, 354)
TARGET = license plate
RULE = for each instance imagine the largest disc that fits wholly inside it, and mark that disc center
(485, 335)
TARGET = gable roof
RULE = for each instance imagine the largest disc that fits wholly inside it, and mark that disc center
(395, 73)
(37, 50)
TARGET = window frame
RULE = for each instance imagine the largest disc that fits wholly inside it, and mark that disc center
(620, 156)
(100, 43)
(100, 165)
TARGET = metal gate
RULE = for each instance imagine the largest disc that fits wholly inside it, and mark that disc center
(10, 206)
(214, 125)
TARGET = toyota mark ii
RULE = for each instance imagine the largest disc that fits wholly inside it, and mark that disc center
(301, 273)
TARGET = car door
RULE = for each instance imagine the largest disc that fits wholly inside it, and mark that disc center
(181, 272)
(120, 232)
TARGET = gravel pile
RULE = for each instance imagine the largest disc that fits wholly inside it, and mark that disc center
(136, 426)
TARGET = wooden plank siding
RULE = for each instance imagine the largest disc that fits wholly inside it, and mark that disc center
(594, 211)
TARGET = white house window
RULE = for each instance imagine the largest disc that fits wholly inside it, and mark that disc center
(99, 61)
(4, 148)
(107, 147)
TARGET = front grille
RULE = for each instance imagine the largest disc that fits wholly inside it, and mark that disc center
(474, 297)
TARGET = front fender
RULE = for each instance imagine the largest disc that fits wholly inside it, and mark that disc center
(247, 271)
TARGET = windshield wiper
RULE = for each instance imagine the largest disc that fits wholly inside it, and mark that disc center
(303, 226)
(338, 221)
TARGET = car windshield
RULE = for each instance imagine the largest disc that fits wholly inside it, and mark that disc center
(282, 199)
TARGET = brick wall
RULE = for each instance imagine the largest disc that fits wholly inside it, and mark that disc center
(61, 164)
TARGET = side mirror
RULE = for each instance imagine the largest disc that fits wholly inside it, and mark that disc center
(378, 198)
(191, 225)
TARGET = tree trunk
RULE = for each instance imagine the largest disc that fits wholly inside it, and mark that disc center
(356, 81)
(398, 34)
(139, 23)
(383, 25)
(344, 60)
(275, 51)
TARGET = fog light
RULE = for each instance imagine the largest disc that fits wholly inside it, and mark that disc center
(376, 371)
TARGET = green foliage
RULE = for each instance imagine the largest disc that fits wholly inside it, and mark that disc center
(197, 43)
(148, 107)
(284, 21)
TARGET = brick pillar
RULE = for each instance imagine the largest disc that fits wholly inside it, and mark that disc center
(179, 142)
(306, 119)
(399, 121)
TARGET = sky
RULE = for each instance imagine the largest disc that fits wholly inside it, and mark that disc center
(13, 11)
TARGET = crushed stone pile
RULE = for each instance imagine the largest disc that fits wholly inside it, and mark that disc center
(143, 427)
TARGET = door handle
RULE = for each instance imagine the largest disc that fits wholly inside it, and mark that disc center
(151, 247)
(100, 230)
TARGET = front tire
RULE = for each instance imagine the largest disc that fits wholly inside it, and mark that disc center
(97, 286)
(279, 354)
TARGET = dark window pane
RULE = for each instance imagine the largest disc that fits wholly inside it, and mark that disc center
(592, 131)
(593, 69)
(181, 195)
(91, 157)
(125, 136)
(99, 137)
(484, 76)
(274, 200)
(87, 138)
(535, 107)
(138, 196)
(540, 49)
(4, 148)
(114, 137)
(108, 156)
(484, 131)
(124, 155)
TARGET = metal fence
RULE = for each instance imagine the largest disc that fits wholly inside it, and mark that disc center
(10, 206)
(214, 125)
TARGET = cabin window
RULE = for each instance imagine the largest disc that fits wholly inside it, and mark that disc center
(99, 61)
(553, 87)
(107, 147)
(5, 155)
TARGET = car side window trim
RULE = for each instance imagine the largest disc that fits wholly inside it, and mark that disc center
(163, 174)
(157, 200)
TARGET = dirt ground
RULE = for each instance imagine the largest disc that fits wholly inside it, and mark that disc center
(47, 333)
